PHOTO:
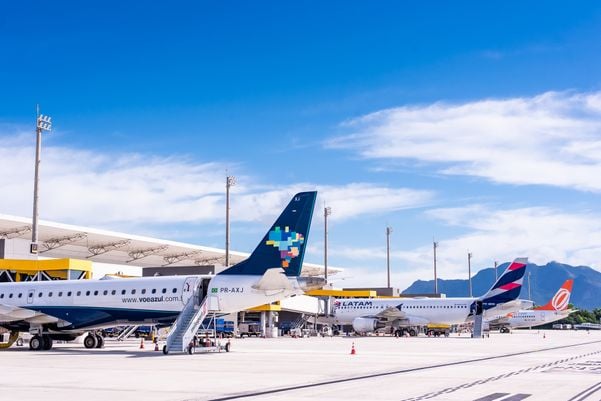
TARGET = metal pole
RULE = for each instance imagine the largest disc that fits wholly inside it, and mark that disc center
(388, 231)
(469, 271)
(529, 279)
(326, 212)
(496, 273)
(43, 123)
(435, 245)
(229, 181)
(38, 147)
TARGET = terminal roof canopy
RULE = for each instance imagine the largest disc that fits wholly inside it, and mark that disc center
(58, 240)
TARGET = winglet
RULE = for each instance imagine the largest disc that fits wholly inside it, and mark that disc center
(561, 298)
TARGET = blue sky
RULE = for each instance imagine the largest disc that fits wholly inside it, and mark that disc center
(476, 124)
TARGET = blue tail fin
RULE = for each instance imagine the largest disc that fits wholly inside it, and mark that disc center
(285, 243)
(508, 286)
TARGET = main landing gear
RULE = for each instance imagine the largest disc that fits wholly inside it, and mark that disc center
(93, 341)
(39, 343)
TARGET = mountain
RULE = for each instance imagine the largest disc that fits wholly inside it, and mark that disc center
(546, 280)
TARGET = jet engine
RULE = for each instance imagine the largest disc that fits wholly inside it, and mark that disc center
(366, 324)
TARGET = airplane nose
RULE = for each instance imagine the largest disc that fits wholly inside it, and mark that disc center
(311, 283)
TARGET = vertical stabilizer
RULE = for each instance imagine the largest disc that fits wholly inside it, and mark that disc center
(284, 244)
(561, 299)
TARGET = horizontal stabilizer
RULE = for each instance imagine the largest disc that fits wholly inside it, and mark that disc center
(273, 279)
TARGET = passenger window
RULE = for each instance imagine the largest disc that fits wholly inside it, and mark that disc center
(69, 294)
(1, 296)
(10, 295)
(79, 293)
(96, 292)
(174, 290)
(113, 292)
(60, 293)
(143, 290)
(87, 293)
(133, 291)
(154, 290)
(122, 292)
(164, 290)
(105, 292)
(40, 295)
(49, 294)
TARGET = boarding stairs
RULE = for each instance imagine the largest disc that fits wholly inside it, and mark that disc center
(126, 332)
(185, 327)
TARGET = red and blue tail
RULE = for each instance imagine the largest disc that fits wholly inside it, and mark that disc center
(508, 286)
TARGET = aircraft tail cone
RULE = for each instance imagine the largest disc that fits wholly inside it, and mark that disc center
(141, 343)
(353, 352)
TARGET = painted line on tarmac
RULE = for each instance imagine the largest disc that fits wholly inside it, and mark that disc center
(499, 377)
(586, 393)
(391, 373)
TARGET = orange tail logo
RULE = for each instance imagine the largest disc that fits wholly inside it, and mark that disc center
(561, 298)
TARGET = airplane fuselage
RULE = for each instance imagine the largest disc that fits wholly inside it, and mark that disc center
(87, 304)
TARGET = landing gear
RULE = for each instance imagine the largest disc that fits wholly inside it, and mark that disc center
(91, 341)
(165, 350)
(190, 349)
(412, 332)
(47, 343)
(504, 330)
(36, 343)
(99, 341)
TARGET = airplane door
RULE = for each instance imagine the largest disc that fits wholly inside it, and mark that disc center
(188, 289)
(30, 295)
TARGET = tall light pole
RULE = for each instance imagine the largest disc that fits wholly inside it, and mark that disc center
(496, 273)
(435, 245)
(469, 271)
(326, 212)
(388, 232)
(43, 123)
(229, 182)
(529, 279)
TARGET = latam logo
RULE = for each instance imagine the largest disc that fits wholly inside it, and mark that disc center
(560, 300)
(353, 304)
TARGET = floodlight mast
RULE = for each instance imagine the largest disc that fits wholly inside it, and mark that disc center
(469, 271)
(434, 246)
(326, 212)
(388, 232)
(229, 182)
(43, 123)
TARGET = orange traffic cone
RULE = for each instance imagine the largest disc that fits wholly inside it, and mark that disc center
(141, 343)
(353, 352)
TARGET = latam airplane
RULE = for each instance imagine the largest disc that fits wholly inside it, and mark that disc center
(368, 314)
(555, 309)
(64, 310)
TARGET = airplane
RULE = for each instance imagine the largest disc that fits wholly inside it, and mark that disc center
(66, 309)
(555, 309)
(369, 314)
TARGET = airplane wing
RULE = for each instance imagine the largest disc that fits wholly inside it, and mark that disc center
(10, 313)
(391, 313)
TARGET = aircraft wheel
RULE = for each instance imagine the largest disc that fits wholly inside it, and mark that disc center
(412, 333)
(165, 350)
(36, 343)
(228, 345)
(47, 343)
(90, 341)
(99, 341)
(190, 349)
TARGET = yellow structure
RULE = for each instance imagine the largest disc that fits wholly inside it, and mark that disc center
(16, 270)
(342, 293)
(274, 307)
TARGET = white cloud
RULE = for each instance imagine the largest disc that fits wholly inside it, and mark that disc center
(90, 188)
(542, 234)
(550, 139)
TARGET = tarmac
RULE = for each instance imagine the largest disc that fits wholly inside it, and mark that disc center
(527, 364)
